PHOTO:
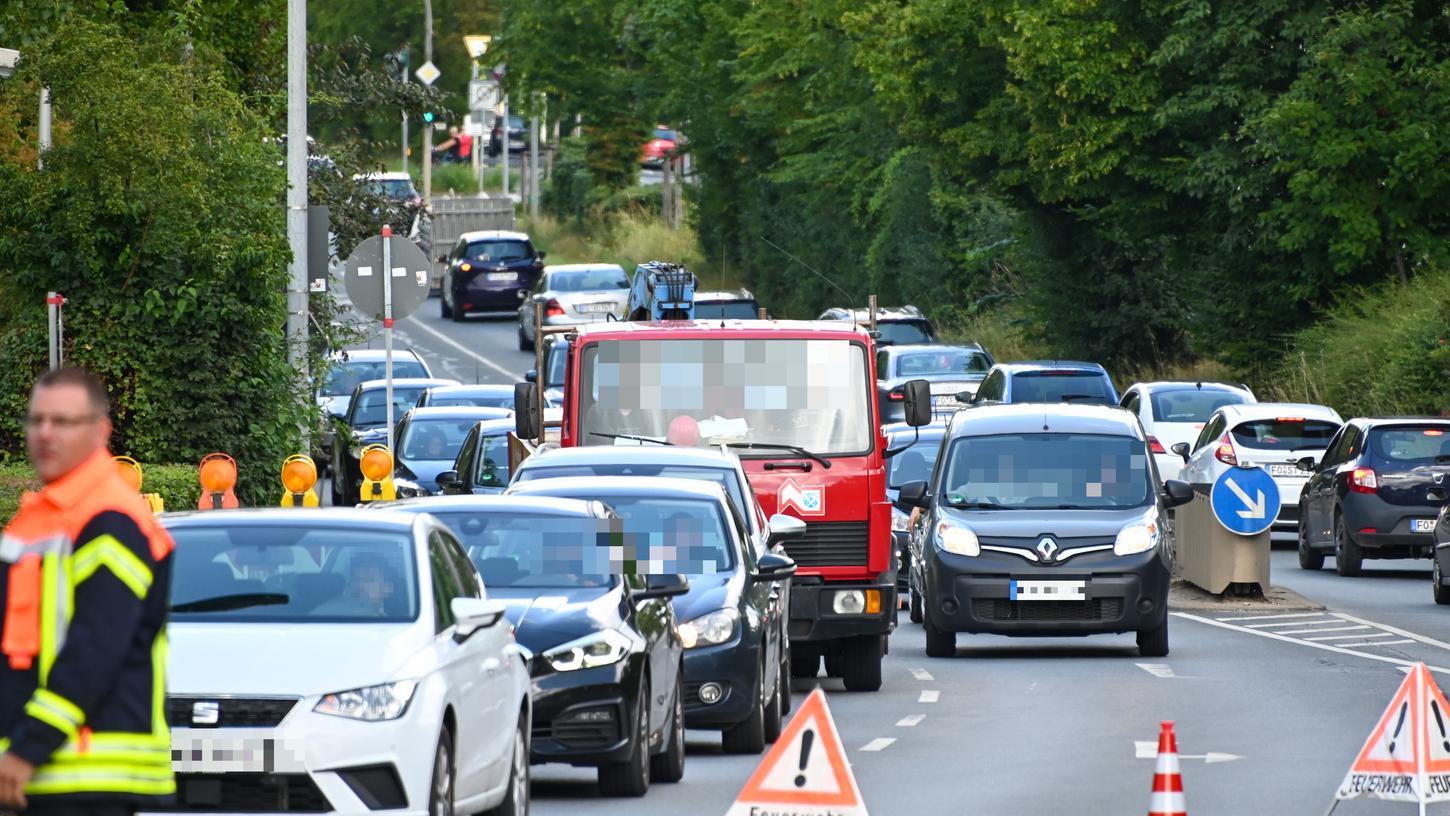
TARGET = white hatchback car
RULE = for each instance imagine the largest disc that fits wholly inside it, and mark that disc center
(1173, 412)
(340, 661)
(1272, 435)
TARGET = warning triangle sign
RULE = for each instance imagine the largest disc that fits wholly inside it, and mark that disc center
(1407, 757)
(805, 773)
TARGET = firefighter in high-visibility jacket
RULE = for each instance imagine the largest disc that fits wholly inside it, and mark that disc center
(84, 572)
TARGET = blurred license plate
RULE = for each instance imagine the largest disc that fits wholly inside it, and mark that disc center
(594, 308)
(1286, 470)
(1048, 591)
(503, 276)
(232, 755)
(1422, 525)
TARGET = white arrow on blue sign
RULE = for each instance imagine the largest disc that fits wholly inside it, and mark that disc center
(1245, 500)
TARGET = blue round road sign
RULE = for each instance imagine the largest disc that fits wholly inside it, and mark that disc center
(1245, 500)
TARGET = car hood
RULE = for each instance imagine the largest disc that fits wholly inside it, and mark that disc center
(424, 472)
(298, 659)
(1029, 525)
(708, 593)
(545, 617)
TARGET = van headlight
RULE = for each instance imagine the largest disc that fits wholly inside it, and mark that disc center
(957, 539)
(600, 648)
(385, 702)
(1140, 536)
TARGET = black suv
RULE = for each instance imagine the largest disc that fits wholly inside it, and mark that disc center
(489, 271)
(898, 326)
(1044, 520)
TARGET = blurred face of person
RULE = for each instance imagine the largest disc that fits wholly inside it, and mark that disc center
(371, 584)
(62, 430)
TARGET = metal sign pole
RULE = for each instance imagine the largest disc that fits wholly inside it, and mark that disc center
(388, 324)
(540, 364)
(52, 308)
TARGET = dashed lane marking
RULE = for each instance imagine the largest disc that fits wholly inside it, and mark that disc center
(1162, 670)
(1322, 646)
(1290, 623)
(910, 722)
(878, 744)
(921, 674)
(929, 696)
(1428, 641)
(465, 350)
(1317, 630)
(1268, 617)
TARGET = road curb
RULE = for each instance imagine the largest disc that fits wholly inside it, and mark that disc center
(1186, 597)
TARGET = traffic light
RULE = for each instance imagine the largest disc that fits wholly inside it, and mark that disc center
(428, 117)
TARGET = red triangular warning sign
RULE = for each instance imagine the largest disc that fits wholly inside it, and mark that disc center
(806, 769)
(1407, 757)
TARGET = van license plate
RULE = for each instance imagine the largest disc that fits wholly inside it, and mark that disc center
(1048, 591)
(1422, 525)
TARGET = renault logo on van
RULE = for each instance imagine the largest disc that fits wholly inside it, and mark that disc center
(1047, 548)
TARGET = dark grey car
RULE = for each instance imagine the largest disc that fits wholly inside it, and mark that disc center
(951, 370)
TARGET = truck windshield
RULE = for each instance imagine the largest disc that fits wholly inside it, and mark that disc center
(806, 393)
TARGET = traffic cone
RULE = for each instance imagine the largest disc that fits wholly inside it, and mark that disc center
(1167, 781)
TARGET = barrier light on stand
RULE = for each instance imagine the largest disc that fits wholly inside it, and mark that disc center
(299, 475)
(377, 472)
(218, 474)
(131, 472)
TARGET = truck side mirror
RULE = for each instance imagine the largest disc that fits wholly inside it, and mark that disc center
(527, 416)
(917, 402)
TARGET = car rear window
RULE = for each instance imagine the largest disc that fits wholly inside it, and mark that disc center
(342, 378)
(1285, 433)
(1191, 404)
(371, 409)
(502, 250)
(942, 361)
(905, 332)
(433, 440)
(1062, 385)
(725, 478)
(474, 401)
(530, 550)
(588, 280)
(727, 310)
(1420, 444)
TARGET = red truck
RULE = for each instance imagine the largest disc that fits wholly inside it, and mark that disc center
(795, 400)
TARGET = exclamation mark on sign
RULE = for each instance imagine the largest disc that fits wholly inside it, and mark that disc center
(807, 737)
(1404, 709)
(1440, 721)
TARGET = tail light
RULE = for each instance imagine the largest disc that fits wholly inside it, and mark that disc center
(896, 394)
(553, 309)
(1155, 446)
(1225, 451)
(1363, 480)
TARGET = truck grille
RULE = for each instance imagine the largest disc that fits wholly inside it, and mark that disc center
(232, 712)
(1000, 609)
(831, 544)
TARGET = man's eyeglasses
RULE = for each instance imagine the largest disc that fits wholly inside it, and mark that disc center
(64, 423)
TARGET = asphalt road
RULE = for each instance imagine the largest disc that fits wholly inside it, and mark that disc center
(1283, 699)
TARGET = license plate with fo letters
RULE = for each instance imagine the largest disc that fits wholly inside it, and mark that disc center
(503, 276)
(1286, 470)
(1048, 591)
(1422, 525)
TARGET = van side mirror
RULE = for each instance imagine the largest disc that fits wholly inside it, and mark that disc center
(917, 402)
(532, 375)
(1181, 448)
(1177, 493)
(527, 414)
(912, 495)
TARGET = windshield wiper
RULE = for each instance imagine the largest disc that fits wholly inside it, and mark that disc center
(632, 437)
(797, 450)
(972, 505)
(226, 603)
(1072, 397)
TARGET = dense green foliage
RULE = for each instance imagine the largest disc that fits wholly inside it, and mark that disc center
(177, 485)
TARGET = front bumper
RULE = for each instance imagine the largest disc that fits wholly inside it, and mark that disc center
(586, 717)
(813, 618)
(973, 594)
(732, 666)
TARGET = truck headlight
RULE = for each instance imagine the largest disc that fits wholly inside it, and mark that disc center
(593, 650)
(373, 703)
(710, 629)
(957, 539)
(1140, 536)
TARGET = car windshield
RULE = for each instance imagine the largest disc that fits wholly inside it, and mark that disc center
(806, 393)
(1191, 404)
(371, 410)
(1416, 444)
(504, 249)
(727, 310)
(913, 464)
(688, 532)
(343, 377)
(433, 440)
(493, 461)
(1285, 433)
(1047, 471)
(399, 189)
(904, 332)
(292, 574)
(724, 477)
(942, 361)
(532, 550)
(588, 280)
(1060, 385)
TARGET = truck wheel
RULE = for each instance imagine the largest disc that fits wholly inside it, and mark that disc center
(805, 663)
(835, 664)
(862, 657)
(939, 643)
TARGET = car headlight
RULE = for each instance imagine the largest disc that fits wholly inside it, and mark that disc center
(710, 629)
(900, 522)
(954, 538)
(408, 490)
(597, 649)
(385, 702)
(1140, 536)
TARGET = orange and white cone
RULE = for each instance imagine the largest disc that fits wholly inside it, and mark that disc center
(1167, 781)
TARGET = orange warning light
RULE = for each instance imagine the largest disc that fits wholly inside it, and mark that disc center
(377, 463)
(130, 471)
(218, 473)
(299, 473)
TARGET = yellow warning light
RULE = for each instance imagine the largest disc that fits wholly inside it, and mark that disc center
(130, 471)
(377, 463)
(299, 473)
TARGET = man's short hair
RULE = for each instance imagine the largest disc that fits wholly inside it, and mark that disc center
(72, 375)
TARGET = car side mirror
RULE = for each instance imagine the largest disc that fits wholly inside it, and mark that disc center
(774, 567)
(448, 481)
(966, 397)
(662, 586)
(917, 402)
(1177, 493)
(473, 614)
(543, 255)
(782, 528)
(912, 495)
(1307, 463)
(1181, 448)
(1437, 494)
(528, 417)
(532, 375)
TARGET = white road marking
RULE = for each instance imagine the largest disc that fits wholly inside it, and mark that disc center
(1292, 623)
(1162, 670)
(1148, 749)
(1374, 643)
(1324, 646)
(910, 722)
(1317, 631)
(878, 744)
(1267, 617)
(1428, 641)
(929, 696)
(1352, 637)
(465, 350)
(921, 674)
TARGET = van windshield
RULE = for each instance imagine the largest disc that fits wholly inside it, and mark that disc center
(1047, 471)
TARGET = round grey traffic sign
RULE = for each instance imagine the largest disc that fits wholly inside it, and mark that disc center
(407, 273)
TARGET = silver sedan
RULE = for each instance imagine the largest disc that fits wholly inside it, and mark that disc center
(572, 294)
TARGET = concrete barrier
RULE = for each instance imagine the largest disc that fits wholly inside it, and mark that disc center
(1212, 558)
